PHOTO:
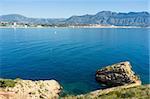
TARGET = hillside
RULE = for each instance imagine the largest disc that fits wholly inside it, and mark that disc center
(105, 18)
(113, 18)
(137, 92)
(22, 19)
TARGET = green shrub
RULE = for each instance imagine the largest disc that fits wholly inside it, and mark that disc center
(7, 83)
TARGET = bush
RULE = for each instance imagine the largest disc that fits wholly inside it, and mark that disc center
(7, 83)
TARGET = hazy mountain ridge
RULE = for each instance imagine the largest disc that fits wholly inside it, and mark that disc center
(102, 18)
(23, 19)
(113, 18)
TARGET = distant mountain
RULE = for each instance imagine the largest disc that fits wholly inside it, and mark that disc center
(113, 18)
(23, 19)
(102, 18)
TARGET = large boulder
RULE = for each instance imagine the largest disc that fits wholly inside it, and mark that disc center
(117, 74)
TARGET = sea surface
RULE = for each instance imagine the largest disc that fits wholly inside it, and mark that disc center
(72, 55)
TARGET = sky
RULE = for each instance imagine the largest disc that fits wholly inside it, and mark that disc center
(67, 8)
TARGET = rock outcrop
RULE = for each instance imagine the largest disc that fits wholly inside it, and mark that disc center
(27, 89)
(117, 75)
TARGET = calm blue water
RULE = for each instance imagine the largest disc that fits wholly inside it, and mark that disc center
(71, 56)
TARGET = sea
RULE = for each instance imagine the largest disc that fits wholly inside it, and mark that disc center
(72, 56)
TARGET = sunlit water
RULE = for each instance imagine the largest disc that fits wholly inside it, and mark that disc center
(71, 56)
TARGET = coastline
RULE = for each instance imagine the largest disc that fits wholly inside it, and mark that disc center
(75, 27)
(51, 89)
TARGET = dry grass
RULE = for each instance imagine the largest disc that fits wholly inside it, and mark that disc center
(139, 92)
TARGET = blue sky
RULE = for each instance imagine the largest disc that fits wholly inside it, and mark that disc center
(67, 8)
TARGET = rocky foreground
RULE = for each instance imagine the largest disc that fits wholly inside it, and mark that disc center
(27, 89)
(123, 83)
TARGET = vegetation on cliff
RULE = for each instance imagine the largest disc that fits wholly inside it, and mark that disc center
(7, 83)
(137, 92)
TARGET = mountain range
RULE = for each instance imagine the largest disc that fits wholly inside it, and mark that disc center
(23, 19)
(102, 18)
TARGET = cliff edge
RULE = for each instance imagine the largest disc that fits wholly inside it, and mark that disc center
(27, 89)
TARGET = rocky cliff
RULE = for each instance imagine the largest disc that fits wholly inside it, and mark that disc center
(27, 89)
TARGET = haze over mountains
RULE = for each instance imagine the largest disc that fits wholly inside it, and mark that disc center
(23, 19)
(102, 18)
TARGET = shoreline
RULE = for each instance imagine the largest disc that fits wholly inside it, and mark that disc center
(76, 27)
(124, 85)
(45, 89)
